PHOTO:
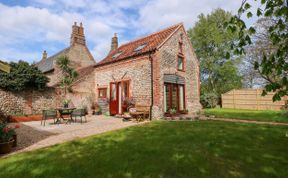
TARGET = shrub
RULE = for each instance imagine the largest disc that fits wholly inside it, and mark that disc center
(23, 76)
(209, 100)
(6, 132)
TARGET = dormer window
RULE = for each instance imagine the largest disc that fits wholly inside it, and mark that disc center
(140, 47)
(117, 54)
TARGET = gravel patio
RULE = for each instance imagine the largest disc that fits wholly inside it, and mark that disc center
(31, 135)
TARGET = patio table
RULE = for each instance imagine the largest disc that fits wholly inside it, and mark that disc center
(65, 112)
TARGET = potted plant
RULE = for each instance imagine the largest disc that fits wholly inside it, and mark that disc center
(98, 111)
(128, 103)
(7, 137)
(172, 112)
(66, 103)
(185, 111)
(93, 107)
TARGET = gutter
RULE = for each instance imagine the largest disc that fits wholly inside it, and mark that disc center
(152, 93)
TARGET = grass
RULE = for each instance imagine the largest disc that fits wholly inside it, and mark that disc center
(162, 149)
(267, 115)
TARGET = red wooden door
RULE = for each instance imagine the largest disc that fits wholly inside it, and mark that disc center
(114, 98)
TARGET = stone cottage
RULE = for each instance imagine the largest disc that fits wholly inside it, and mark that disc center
(160, 71)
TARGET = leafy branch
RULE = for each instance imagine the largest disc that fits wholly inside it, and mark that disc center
(69, 74)
(274, 64)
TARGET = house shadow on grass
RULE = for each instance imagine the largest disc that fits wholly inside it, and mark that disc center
(160, 149)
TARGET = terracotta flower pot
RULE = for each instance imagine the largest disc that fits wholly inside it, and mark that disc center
(6, 147)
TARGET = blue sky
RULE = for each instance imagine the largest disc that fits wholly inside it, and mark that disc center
(27, 27)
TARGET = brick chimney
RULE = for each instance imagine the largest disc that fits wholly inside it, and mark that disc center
(77, 35)
(44, 55)
(114, 43)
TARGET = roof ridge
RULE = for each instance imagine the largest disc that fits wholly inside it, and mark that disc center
(58, 52)
(151, 34)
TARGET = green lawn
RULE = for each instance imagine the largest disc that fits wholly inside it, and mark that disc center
(162, 149)
(273, 116)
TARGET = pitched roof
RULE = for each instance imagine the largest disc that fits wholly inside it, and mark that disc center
(139, 46)
(4, 67)
(46, 65)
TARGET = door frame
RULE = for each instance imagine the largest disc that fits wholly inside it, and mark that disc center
(115, 99)
(118, 94)
(171, 85)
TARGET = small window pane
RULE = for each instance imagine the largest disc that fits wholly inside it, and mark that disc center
(113, 92)
(125, 89)
(102, 93)
(181, 97)
(180, 63)
(117, 54)
(140, 47)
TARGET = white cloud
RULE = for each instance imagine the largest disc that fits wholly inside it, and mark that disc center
(49, 22)
(160, 13)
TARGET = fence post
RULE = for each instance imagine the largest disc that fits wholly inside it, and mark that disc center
(221, 100)
(257, 105)
(233, 98)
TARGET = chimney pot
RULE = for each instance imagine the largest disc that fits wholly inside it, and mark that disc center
(44, 55)
(77, 35)
(114, 42)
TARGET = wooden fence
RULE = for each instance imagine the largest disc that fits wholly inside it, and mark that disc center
(251, 99)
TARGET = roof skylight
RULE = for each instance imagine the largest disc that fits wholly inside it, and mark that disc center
(140, 47)
(117, 54)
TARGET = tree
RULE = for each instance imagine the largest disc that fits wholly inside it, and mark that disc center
(69, 74)
(254, 53)
(273, 65)
(211, 42)
(23, 76)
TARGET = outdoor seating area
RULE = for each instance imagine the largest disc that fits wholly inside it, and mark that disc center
(32, 135)
(64, 115)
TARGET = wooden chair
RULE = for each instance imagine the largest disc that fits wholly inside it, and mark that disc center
(145, 109)
(79, 113)
(140, 112)
(48, 114)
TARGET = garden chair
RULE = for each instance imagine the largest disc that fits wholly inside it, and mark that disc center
(140, 112)
(48, 114)
(79, 113)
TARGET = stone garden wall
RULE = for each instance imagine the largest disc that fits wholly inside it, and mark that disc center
(28, 102)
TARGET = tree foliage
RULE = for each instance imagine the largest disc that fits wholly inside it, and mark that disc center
(212, 42)
(23, 76)
(69, 74)
(274, 61)
(254, 53)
